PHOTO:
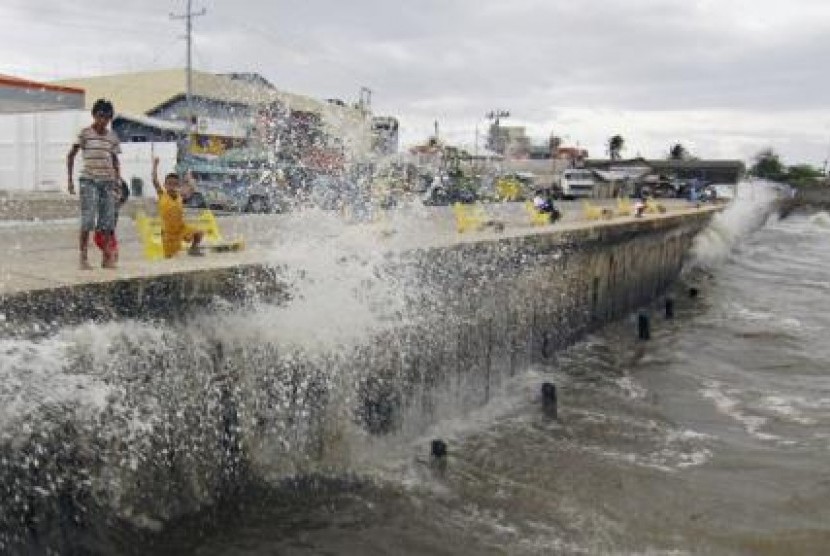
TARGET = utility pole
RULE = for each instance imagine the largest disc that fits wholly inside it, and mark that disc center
(188, 17)
(494, 141)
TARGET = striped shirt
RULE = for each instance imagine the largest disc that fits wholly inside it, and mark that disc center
(98, 151)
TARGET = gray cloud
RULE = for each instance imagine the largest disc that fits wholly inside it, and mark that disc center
(728, 76)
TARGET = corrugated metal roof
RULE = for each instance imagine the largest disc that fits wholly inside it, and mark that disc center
(19, 82)
(157, 123)
(143, 92)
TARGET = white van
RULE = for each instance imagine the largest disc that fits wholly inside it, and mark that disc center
(577, 184)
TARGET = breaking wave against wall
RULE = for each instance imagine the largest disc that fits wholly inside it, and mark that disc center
(142, 421)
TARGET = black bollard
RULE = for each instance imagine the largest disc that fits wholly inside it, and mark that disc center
(549, 403)
(693, 292)
(438, 449)
(669, 308)
(643, 326)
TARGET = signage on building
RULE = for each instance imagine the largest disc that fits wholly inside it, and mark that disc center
(223, 128)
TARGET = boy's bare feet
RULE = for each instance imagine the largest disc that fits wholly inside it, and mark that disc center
(196, 252)
(84, 265)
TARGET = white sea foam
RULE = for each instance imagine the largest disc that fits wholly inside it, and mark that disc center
(631, 388)
(33, 380)
(820, 220)
(754, 315)
(728, 403)
(788, 408)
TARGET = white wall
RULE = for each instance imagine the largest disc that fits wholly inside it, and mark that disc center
(33, 151)
(137, 162)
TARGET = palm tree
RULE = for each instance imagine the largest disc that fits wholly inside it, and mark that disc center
(615, 146)
(678, 152)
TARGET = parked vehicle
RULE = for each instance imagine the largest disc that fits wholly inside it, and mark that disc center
(576, 184)
(444, 191)
(236, 189)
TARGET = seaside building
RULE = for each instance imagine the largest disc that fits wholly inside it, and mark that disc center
(19, 95)
(228, 110)
(710, 171)
(385, 139)
(510, 141)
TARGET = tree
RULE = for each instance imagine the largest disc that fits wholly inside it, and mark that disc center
(801, 175)
(615, 146)
(678, 152)
(768, 166)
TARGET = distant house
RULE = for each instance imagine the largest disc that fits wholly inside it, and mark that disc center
(385, 139)
(710, 171)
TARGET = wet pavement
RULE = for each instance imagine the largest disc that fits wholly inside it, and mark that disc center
(43, 254)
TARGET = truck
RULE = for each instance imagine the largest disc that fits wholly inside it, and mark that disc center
(576, 183)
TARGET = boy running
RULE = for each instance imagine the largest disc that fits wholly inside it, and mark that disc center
(174, 230)
(99, 179)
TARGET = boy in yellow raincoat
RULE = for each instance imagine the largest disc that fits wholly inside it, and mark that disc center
(174, 230)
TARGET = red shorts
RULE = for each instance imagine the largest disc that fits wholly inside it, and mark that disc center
(99, 238)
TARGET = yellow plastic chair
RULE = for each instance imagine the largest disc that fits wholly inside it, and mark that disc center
(149, 231)
(508, 189)
(590, 211)
(536, 218)
(468, 217)
(624, 207)
(653, 207)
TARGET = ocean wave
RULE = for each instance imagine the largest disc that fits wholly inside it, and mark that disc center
(752, 209)
(820, 220)
(728, 402)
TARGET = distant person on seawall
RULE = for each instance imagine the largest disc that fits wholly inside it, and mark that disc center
(100, 177)
(543, 202)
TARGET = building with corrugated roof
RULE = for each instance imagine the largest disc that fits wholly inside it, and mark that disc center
(711, 171)
(227, 110)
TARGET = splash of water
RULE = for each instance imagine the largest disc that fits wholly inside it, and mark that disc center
(820, 220)
(752, 207)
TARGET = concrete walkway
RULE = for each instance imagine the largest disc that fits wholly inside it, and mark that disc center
(42, 255)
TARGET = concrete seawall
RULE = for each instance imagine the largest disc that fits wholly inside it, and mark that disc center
(807, 198)
(159, 419)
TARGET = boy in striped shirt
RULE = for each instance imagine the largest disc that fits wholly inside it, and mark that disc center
(98, 181)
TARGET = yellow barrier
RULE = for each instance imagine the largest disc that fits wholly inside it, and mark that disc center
(653, 207)
(149, 230)
(624, 207)
(536, 218)
(468, 217)
(592, 212)
(508, 189)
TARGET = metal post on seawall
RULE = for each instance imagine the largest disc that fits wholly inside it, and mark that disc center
(438, 455)
(438, 448)
(549, 401)
(643, 326)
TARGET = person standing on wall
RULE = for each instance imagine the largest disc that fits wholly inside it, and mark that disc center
(99, 181)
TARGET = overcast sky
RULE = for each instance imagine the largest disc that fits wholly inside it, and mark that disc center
(724, 77)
